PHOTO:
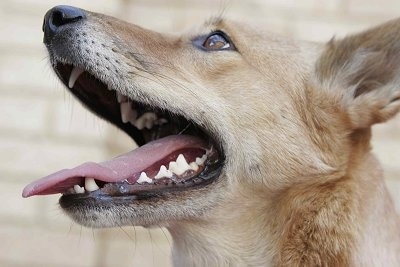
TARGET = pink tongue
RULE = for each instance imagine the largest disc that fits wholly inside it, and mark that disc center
(117, 169)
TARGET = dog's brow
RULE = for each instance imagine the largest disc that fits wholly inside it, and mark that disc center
(214, 21)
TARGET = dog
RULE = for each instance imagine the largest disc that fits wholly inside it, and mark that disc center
(254, 149)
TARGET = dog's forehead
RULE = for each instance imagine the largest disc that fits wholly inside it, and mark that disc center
(258, 40)
(269, 52)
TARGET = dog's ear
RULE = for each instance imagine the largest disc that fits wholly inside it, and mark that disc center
(363, 74)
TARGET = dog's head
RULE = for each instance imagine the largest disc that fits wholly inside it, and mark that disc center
(223, 111)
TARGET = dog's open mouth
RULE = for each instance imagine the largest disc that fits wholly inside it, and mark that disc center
(174, 153)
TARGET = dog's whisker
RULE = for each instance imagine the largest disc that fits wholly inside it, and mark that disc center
(125, 232)
(135, 239)
(158, 75)
(93, 234)
(184, 129)
(80, 235)
(152, 246)
(166, 237)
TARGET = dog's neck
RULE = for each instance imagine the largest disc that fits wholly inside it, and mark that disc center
(198, 245)
(235, 236)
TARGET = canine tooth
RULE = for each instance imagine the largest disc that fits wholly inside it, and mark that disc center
(125, 111)
(174, 167)
(194, 166)
(163, 172)
(75, 73)
(90, 184)
(143, 178)
(79, 189)
(121, 98)
(200, 161)
(182, 163)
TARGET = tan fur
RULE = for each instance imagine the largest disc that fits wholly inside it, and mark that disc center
(300, 186)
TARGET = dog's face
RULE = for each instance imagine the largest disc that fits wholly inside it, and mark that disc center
(249, 111)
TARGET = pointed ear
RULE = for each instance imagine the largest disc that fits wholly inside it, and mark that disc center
(363, 72)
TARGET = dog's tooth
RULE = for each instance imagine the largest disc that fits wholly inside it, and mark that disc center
(149, 124)
(151, 117)
(75, 73)
(139, 123)
(143, 121)
(163, 172)
(200, 161)
(90, 184)
(194, 166)
(143, 178)
(174, 167)
(79, 189)
(121, 98)
(182, 163)
(125, 111)
(161, 121)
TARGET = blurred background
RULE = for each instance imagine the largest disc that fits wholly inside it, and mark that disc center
(43, 129)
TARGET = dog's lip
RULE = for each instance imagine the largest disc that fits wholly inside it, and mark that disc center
(65, 180)
(117, 169)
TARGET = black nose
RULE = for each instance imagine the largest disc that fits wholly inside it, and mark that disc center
(59, 16)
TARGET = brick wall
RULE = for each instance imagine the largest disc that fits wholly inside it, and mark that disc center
(42, 128)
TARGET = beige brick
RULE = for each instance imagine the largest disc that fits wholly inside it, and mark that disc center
(386, 146)
(385, 9)
(26, 212)
(117, 142)
(50, 216)
(325, 29)
(289, 4)
(40, 156)
(13, 206)
(143, 247)
(25, 30)
(389, 129)
(23, 114)
(30, 71)
(394, 188)
(72, 120)
(36, 246)
(332, 6)
(39, 8)
(167, 19)
(387, 150)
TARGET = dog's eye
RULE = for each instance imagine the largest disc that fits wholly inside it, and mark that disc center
(216, 41)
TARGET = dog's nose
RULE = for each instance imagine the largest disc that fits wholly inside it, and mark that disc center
(59, 16)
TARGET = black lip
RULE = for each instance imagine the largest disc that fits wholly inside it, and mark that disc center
(114, 195)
